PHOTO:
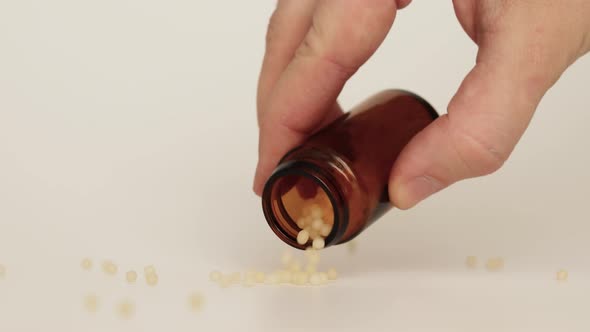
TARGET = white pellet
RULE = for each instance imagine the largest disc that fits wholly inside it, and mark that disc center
(91, 303)
(324, 277)
(301, 223)
(310, 269)
(248, 282)
(316, 212)
(260, 277)
(332, 274)
(318, 243)
(150, 269)
(562, 275)
(313, 233)
(250, 275)
(471, 262)
(303, 237)
(285, 276)
(131, 276)
(272, 279)
(225, 281)
(126, 309)
(109, 268)
(196, 301)
(326, 230)
(495, 264)
(235, 277)
(215, 276)
(249, 279)
(86, 264)
(315, 279)
(306, 211)
(152, 279)
(300, 278)
(317, 224)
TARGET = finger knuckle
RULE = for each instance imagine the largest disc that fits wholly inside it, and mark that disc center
(478, 153)
(316, 47)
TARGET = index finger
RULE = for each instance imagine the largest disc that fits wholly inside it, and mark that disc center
(343, 35)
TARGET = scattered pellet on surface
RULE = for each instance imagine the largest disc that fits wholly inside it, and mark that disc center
(91, 303)
(495, 264)
(131, 276)
(225, 281)
(152, 279)
(249, 279)
(235, 277)
(248, 283)
(285, 276)
(86, 264)
(273, 279)
(332, 274)
(109, 268)
(303, 237)
(126, 309)
(471, 262)
(150, 269)
(215, 276)
(260, 277)
(562, 275)
(300, 278)
(292, 272)
(2, 271)
(196, 301)
(318, 243)
(315, 279)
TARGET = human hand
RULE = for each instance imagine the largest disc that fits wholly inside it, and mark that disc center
(312, 48)
(524, 47)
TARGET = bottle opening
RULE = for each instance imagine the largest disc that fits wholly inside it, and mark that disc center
(295, 201)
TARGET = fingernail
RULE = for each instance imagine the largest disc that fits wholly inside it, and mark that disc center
(416, 190)
(255, 184)
(255, 189)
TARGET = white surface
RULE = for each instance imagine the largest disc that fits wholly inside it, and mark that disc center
(127, 131)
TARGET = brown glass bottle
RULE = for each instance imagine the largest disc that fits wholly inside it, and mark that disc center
(345, 168)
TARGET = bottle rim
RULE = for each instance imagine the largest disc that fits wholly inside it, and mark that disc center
(325, 181)
(429, 108)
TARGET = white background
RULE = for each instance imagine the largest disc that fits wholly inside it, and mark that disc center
(128, 132)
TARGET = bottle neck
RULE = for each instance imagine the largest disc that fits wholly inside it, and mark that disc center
(307, 178)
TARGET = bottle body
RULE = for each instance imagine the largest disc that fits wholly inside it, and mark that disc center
(344, 169)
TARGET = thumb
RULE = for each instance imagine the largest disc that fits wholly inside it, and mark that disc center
(485, 120)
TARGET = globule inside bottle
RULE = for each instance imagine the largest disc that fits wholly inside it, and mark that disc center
(344, 168)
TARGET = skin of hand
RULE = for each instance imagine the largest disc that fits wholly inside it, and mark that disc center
(315, 46)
